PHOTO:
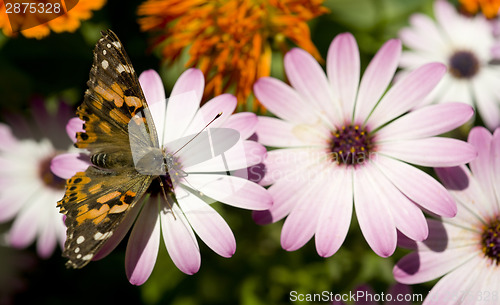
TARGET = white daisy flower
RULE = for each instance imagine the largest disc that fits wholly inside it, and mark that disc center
(466, 45)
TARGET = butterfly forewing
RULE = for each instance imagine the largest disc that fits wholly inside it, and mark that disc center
(113, 98)
(97, 200)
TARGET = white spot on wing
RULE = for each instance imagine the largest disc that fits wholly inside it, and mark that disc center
(108, 45)
(87, 257)
(79, 256)
(117, 44)
(80, 239)
(105, 64)
(122, 68)
(104, 52)
(101, 236)
(77, 250)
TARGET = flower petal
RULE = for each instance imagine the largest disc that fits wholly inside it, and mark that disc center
(343, 70)
(14, 197)
(278, 133)
(67, 165)
(181, 109)
(282, 100)
(143, 245)
(427, 193)
(281, 163)
(74, 125)
(408, 93)
(26, 224)
(426, 122)
(481, 139)
(408, 218)
(424, 35)
(467, 192)
(190, 80)
(447, 18)
(224, 103)
(234, 191)
(208, 224)
(242, 155)
(7, 139)
(300, 225)
(486, 101)
(284, 197)
(307, 77)
(47, 238)
(370, 206)
(481, 167)
(495, 170)
(460, 280)
(198, 148)
(335, 215)
(244, 122)
(489, 280)
(434, 152)
(428, 264)
(180, 240)
(376, 78)
(152, 87)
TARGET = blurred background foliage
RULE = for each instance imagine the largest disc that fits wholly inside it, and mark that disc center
(260, 272)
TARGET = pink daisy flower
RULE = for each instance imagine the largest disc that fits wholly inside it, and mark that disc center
(343, 140)
(218, 179)
(465, 250)
(29, 188)
(467, 46)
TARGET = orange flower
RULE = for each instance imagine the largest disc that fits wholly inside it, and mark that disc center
(68, 22)
(489, 8)
(230, 40)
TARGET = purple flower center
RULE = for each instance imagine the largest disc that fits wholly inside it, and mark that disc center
(48, 178)
(350, 145)
(491, 241)
(463, 64)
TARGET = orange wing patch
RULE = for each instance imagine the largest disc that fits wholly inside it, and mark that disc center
(96, 215)
(108, 197)
(113, 95)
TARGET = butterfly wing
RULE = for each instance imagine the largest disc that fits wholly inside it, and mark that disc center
(95, 203)
(97, 200)
(114, 97)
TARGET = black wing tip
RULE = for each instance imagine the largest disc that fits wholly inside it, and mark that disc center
(107, 32)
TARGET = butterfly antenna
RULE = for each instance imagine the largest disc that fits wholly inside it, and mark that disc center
(216, 117)
(166, 198)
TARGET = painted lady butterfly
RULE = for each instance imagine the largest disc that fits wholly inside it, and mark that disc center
(97, 200)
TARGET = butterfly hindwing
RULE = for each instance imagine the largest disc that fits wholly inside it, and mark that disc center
(95, 203)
